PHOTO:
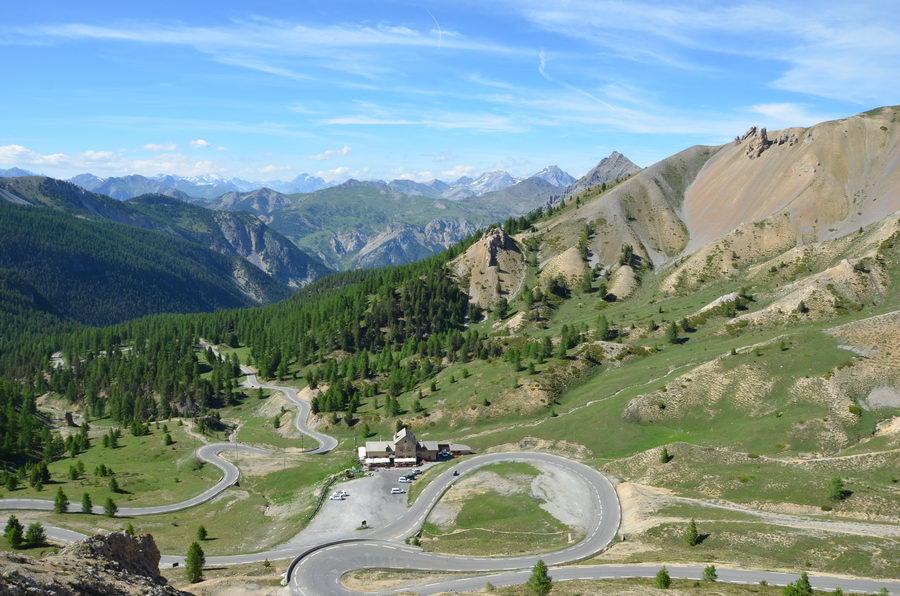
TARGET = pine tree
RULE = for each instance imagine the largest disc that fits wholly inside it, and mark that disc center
(838, 493)
(602, 328)
(709, 573)
(194, 562)
(35, 535)
(114, 484)
(540, 583)
(110, 508)
(87, 506)
(664, 456)
(663, 581)
(692, 536)
(201, 533)
(61, 502)
(13, 532)
(801, 587)
(672, 333)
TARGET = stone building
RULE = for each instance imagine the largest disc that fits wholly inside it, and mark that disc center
(405, 450)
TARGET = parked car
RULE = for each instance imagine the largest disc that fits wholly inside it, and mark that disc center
(336, 497)
(343, 493)
(414, 473)
(397, 491)
(406, 479)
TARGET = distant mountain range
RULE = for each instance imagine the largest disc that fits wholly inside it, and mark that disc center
(362, 223)
(212, 187)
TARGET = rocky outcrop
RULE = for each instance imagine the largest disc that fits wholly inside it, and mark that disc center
(250, 239)
(344, 243)
(109, 564)
(491, 268)
(759, 141)
(403, 243)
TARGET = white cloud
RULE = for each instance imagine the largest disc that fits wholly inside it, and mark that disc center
(17, 154)
(161, 147)
(414, 176)
(221, 148)
(107, 162)
(788, 114)
(200, 144)
(457, 171)
(335, 174)
(271, 169)
(329, 153)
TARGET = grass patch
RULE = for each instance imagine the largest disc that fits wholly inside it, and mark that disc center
(148, 471)
(495, 524)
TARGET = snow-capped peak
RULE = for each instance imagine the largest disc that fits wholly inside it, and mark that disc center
(555, 176)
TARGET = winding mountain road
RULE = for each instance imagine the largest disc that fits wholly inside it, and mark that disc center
(326, 442)
(317, 567)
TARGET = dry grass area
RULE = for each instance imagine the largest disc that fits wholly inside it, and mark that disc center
(370, 580)
(644, 587)
(567, 265)
(623, 282)
(234, 580)
(745, 386)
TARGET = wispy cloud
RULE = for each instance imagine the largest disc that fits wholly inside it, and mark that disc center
(329, 153)
(840, 50)
(789, 114)
(272, 169)
(441, 121)
(160, 147)
(200, 144)
(273, 46)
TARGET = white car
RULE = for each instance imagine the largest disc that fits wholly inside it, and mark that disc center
(406, 479)
(336, 497)
(397, 491)
(343, 493)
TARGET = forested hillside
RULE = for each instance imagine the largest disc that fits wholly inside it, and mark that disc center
(236, 234)
(101, 272)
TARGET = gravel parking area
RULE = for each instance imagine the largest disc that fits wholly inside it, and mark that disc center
(369, 500)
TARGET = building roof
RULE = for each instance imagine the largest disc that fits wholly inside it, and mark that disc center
(378, 460)
(459, 447)
(404, 460)
(379, 446)
(402, 433)
(429, 445)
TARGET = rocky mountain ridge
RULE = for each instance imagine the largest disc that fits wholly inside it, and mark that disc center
(610, 168)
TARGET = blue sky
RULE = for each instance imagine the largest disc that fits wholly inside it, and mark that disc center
(421, 89)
